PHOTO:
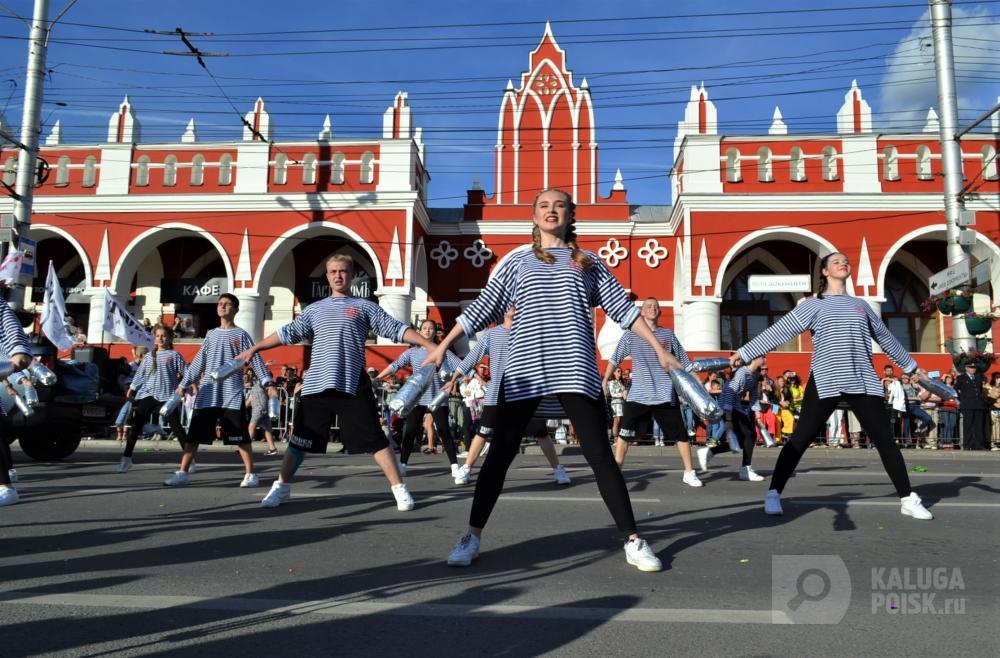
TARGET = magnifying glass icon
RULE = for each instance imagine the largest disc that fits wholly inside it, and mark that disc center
(801, 595)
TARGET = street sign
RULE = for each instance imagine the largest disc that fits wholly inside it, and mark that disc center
(981, 273)
(779, 283)
(28, 246)
(956, 275)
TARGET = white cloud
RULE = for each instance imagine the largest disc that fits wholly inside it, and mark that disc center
(909, 87)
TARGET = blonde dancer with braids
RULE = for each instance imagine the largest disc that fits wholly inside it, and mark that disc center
(555, 287)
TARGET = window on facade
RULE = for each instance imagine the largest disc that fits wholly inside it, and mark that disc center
(90, 171)
(198, 170)
(337, 169)
(746, 314)
(170, 171)
(830, 164)
(733, 173)
(62, 171)
(142, 171)
(280, 169)
(764, 169)
(226, 170)
(989, 163)
(309, 169)
(797, 165)
(890, 164)
(901, 310)
(367, 168)
(923, 163)
(10, 171)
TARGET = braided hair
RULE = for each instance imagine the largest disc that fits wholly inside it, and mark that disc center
(577, 254)
(169, 333)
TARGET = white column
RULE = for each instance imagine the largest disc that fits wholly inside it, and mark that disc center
(250, 317)
(396, 305)
(95, 321)
(702, 325)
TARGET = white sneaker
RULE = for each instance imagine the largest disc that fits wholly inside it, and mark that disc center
(704, 457)
(402, 469)
(455, 469)
(279, 493)
(177, 479)
(463, 474)
(193, 468)
(404, 501)
(913, 506)
(12, 474)
(8, 496)
(560, 474)
(691, 479)
(749, 475)
(640, 555)
(659, 443)
(250, 480)
(124, 464)
(772, 503)
(465, 551)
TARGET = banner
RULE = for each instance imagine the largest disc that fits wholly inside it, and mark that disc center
(120, 323)
(54, 313)
(10, 268)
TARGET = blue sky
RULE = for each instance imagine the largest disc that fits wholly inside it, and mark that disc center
(640, 59)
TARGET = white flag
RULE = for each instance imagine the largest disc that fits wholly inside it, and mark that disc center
(10, 268)
(119, 322)
(54, 313)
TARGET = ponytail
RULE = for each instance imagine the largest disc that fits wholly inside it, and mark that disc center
(578, 255)
(536, 247)
(822, 279)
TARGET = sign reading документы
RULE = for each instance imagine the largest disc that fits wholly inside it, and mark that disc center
(779, 283)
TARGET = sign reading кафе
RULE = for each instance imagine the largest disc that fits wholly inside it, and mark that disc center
(199, 290)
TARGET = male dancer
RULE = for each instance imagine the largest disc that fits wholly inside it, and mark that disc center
(652, 392)
(740, 419)
(336, 385)
(14, 345)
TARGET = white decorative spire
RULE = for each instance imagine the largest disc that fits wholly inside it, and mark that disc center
(55, 135)
(123, 126)
(700, 117)
(259, 120)
(619, 181)
(394, 268)
(865, 275)
(510, 85)
(326, 134)
(703, 275)
(778, 126)
(243, 271)
(585, 86)
(103, 270)
(932, 125)
(855, 115)
(190, 133)
(995, 119)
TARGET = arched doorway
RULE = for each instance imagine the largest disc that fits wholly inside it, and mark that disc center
(901, 313)
(72, 272)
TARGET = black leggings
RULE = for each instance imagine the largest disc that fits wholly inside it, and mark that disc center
(6, 461)
(874, 419)
(414, 426)
(589, 417)
(141, 413)
(745, 430)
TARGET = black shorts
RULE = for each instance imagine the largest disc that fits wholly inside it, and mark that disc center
(667, 416)
(536, 428)
(232, 424)
(357, 416)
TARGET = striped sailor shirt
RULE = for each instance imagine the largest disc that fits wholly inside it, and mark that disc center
(220, 347)
(12, 340)
(162, 383)
(413, 357)
(338, 328)
(842, 329)
(651, 385)
(552, 347)
(732, 393)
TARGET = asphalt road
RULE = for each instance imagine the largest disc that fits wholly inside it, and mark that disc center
(94, 563)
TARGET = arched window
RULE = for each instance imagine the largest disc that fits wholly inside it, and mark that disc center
(797, 165)
(764, 171)
(367, 170)
(745, 314)
(989, 163)
(890, 165)
(337, 169)
(309, 169)
(923, 163)
(142, 171)
(830, 163)
(733, 173)
(10, 171)
(198, 170)
(280, 169)
(226, 170)
(170, 171)
(90, 171)
(901, 310)
(62, 171)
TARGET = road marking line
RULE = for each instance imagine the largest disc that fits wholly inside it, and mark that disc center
(468, 496)
(350, 608)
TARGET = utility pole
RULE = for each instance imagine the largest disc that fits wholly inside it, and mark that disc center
(958, 238)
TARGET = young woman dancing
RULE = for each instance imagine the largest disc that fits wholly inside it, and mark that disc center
(842, 330)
